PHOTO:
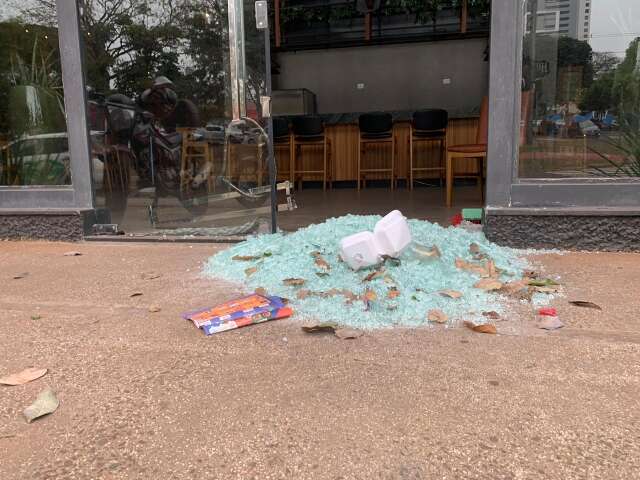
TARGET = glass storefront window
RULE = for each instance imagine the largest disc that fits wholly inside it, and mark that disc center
(166, 157)
(580, 89)
(33, 132)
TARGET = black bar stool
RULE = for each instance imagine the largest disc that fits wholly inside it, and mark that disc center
(376, 128)
(283, 139)
(428, 126)
(309, 132)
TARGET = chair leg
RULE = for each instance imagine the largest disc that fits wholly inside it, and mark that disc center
(359, 161)
(411, 160)
(324, 165)
(292, 162)
(393, 162)
(449, 179)
(480, 166)
(443, 159)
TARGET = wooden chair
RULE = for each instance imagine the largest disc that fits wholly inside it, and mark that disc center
(197, 156)
(309, 131)
(476, 150)
(283, 139)
(428, 126)
(376, 128)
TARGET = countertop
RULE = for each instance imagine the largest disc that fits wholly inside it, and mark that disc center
(398, 116)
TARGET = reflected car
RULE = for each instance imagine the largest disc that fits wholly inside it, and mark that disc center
(589, 129)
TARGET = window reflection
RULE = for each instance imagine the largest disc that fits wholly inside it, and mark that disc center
(580, 89)
(33, 132)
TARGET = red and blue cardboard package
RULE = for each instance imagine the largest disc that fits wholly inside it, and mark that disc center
(239, 313)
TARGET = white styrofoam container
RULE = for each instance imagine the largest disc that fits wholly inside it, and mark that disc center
(360, 250)
(392, 234)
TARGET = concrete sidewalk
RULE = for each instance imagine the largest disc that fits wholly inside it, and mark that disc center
(145, 395)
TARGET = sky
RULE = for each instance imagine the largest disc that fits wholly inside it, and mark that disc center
(614, 24)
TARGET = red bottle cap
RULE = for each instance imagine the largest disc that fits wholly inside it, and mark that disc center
(548, 312)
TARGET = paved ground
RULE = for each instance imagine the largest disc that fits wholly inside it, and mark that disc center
(144, 395)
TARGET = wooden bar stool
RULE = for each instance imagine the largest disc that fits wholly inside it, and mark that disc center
(309, 132)
(476, 150)
(376, 128)
(283, 139)
(197, 156)
(428, 126)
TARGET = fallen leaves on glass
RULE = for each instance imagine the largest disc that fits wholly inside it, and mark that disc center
(488, 284)
(437, 316)
(450, 293)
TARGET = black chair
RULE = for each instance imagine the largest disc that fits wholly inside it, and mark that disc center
(309, 131)
(428, 126)
(376, 128)
(283, 139)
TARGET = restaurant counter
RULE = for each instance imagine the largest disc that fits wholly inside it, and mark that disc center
(343, 134)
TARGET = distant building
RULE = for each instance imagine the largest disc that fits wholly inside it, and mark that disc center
(570, 17)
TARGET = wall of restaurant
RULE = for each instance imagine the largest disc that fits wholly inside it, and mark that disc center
(391, 77)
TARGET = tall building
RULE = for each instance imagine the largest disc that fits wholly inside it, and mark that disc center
(571, 17)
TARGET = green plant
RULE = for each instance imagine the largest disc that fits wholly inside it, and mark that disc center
(628, 144)
(39, 72)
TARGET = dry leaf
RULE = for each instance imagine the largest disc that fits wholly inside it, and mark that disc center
(488, 284)
(72, 254)
(546, 289)
(350, 296)
(393, 293)
(547, 282)
(388, 279)
(245, 258)
(25, 376)
(374, 274)
(484, 328)
(370, 296)
(20, 275)
(450, 293)
(476, 268)
(154, 309)
(136, 294)
(437, 316)
(294, 282)
(302, 294)
(322, 263)
(46, 403)
(250, 271)
(150, 276)
(320, 327)
(579, 303)
(426, 252)
(492, 271)
(348, 333)
(515, 286)
(492, 315)
(260, 291)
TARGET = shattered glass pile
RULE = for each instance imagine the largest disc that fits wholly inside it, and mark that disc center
(305, 267)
